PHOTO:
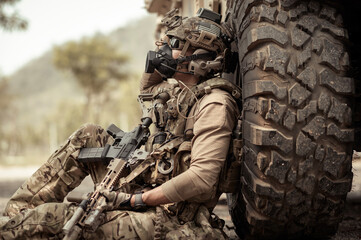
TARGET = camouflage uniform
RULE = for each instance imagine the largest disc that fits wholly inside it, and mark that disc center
(36, 210)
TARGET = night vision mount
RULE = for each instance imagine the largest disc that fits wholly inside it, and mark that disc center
(210, 15)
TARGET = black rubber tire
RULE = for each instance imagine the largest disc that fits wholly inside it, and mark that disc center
(297, 120)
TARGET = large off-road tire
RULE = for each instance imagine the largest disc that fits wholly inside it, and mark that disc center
(297, 120)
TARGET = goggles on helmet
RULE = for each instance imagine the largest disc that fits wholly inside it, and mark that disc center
(176, 44)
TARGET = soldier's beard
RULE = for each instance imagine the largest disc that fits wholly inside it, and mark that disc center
(187, 79)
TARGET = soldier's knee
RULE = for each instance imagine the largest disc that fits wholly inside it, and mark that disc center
(90, 135)
(45, 219)
(49, 210)
(90, 128)
(87, 130)
(50, 213)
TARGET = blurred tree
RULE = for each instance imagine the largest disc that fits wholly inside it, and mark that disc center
(9, 18)
(68, 117)
(5, 116)
(95, 63)
(5, 98)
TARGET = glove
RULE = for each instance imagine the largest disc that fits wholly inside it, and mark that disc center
(115, 200)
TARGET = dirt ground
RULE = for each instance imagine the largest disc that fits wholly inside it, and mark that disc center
(349, 229)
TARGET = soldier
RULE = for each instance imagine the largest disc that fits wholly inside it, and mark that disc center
(194, 119)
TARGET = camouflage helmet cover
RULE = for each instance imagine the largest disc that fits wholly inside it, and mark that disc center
(198, 32)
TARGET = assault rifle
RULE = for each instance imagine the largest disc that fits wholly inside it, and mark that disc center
(89, 213)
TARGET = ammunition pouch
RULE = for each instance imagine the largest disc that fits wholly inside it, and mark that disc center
(182, 158)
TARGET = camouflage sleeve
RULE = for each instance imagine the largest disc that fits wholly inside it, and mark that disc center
(59, 175)
(151, 81)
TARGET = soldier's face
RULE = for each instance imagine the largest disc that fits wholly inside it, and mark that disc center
(184, 67)
(176, 53)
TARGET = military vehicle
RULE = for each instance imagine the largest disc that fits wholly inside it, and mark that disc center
(297, 63)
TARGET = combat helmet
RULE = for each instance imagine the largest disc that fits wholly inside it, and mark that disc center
(204, 33)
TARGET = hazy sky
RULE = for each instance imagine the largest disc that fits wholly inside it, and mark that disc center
(56, 21)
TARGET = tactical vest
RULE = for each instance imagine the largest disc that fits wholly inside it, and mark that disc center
(170, 146)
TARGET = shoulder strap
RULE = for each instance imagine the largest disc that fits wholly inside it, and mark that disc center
(206, 87)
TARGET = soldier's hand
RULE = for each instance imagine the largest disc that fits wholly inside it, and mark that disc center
(116, 200)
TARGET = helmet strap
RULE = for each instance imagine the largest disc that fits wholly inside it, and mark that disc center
(185, 48)
(183, 55)
(182, 66)
(196, 56)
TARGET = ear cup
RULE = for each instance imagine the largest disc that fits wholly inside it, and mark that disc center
(199, 66)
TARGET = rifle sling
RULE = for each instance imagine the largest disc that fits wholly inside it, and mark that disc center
(135, 173)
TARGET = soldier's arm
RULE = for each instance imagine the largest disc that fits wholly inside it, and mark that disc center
(153, 197)
(150, 82)
(212, 129)
(212, 133)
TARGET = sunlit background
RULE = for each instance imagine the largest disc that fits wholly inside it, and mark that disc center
(55, 22)
(49, 84)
